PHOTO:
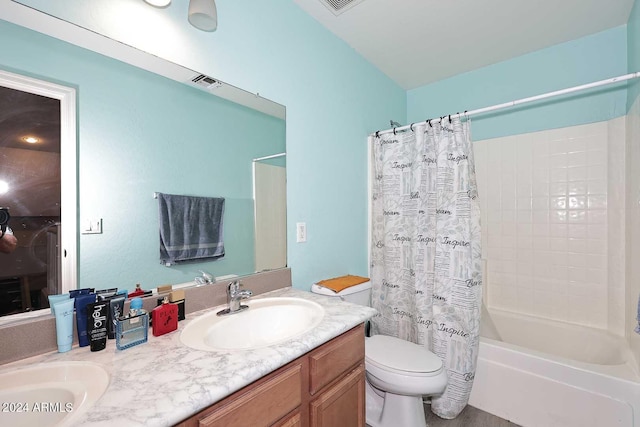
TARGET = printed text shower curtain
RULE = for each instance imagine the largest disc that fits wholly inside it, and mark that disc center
(425, 257)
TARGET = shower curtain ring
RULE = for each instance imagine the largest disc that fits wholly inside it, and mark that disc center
(378, 134)
(394, 131)
(429, 121)
(411, 127)
(449, 118)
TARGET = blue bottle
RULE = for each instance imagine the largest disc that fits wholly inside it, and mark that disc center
(134, 328)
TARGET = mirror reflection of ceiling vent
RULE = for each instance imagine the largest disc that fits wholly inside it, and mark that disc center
(340, 6)
(206, 82)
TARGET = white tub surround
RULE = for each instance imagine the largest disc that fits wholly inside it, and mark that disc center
(632, 226)
(552, 223)
(537, 372)
(163, 382)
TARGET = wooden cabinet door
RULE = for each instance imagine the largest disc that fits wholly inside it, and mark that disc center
(336, 358)
(294, 420)
(322, 388)
(342, 404)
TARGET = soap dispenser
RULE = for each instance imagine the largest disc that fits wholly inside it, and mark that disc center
(164, 318)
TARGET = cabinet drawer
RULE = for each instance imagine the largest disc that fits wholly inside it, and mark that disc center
(267, 402)
(335, 358)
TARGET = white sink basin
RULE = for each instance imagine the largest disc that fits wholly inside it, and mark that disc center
(266, 322)
(50, 394)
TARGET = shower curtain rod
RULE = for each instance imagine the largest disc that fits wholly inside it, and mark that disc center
(517, 102)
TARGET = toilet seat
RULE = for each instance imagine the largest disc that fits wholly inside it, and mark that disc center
(401, 357)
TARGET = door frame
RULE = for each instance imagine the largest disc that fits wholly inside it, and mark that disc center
(68, 168)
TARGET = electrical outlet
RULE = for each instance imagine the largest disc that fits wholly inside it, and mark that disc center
(301, 232)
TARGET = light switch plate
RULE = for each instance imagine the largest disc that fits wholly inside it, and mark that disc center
(92, 226)
(301, 232)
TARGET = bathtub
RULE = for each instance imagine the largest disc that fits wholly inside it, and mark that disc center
(536, 372)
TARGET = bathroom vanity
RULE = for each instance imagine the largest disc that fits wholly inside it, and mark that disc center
(323, 388)
(316, 379)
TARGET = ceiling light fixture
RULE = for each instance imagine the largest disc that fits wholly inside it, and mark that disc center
(203, 14)
(4, 187)
(159, 3)
(30, 139)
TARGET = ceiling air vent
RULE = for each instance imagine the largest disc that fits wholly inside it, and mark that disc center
(206, 82)
(340, 6)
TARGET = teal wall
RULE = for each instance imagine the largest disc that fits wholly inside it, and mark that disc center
(334, 99)
(140, 133)
(596, 57)
(633, 49)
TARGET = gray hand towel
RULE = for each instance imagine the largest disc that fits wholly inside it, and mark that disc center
(190, 228)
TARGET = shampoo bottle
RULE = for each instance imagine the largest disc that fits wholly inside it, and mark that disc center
(164, 318)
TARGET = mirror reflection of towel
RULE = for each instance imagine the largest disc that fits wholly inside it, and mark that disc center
(190, 228)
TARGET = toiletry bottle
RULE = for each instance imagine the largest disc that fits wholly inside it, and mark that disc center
(177, 297)
(164, 318)
(134, 328)
(54, 299)
(63, 311)
(104, 294)
(116, 308)
(81, 303)
(137, 292)
(84, 291)
(97, 315)
(135, 307)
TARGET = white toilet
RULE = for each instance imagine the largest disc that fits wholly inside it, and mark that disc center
(399, 373)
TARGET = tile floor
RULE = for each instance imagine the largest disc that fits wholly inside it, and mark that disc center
(470, 417)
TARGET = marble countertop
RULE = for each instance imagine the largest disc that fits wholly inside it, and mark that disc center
(163, 382)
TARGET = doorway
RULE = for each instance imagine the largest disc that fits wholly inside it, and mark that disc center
(37, 191)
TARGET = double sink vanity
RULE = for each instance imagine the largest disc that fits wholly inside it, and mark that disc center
(291, 359)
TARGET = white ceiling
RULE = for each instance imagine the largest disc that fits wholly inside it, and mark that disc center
(416, 42)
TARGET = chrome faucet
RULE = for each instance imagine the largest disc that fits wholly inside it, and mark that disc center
(205, 279)
(234, 296)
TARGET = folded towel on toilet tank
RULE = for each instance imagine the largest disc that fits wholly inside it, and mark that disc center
(341, 283)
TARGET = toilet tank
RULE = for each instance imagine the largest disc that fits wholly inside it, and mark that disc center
(358, 294)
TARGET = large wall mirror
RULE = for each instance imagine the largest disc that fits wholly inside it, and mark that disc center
(138, 132)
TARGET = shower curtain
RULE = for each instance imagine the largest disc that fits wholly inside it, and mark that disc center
(426, 249)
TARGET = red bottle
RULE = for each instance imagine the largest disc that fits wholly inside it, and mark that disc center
(164, 318)
(138, 292)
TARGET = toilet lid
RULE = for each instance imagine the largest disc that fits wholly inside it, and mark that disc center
(400, 355)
